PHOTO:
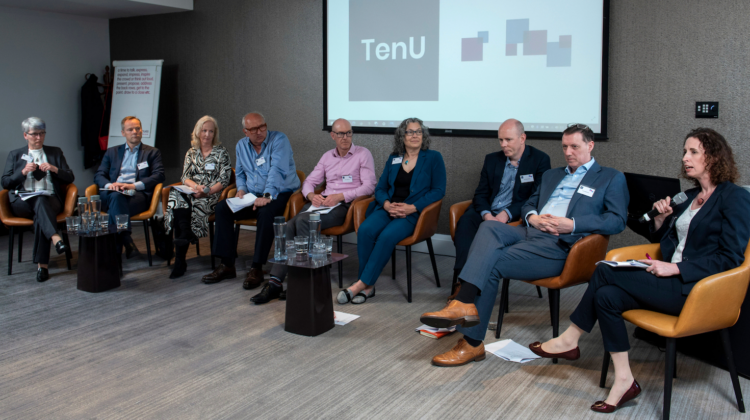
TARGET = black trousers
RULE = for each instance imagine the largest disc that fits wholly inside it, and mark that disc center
(612, 291)
(466, 230)
(224, 243)
(43, 210)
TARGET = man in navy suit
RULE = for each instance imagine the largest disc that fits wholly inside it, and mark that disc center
(130, 171)
(508, 179)
(571, 202)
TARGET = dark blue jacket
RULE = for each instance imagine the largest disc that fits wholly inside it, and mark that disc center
(427, 183)
(109, 169)
(533, 162)
(717, 237)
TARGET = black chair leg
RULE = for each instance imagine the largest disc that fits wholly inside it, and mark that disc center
(554, 312)
(503, 302)
(236, 239)
(539, 291)
(211, 241)
(20, 243)
(198, 247)
(148, 242)
(393, 264)
(432, 259)
(506, 297)
(727, 344)
(605, 368)
(340, 250)
(10, 250)
(408, 273)
(668, 375)
(68, 252)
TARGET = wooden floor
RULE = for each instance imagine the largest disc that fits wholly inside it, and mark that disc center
(157, 348)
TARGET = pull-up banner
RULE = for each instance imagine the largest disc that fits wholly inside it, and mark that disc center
(135, 92)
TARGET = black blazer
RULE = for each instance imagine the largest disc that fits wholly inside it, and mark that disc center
(533, 162)
(717, 237)
(109, 169)
(13, 178)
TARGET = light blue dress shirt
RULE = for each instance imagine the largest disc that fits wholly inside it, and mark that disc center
(127, 169)
(558, 202)
(505, 196)
(270, 171)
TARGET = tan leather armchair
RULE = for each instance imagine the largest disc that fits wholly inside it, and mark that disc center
(713, 304)
(211, 218)
(424, 230)
(579, 266)
(254, 222)
(456, 211)
(17, 224)
(144, 217)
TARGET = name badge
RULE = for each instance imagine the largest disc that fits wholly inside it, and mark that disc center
(142, 165)
(587, 191)
(27, 158)
(260, 161)
(210, 166)
(397, 160)
(346, 178)
(527, 178)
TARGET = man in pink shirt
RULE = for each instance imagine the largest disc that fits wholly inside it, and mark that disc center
(349, 172)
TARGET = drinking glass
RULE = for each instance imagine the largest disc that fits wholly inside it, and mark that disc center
(72, 225)
(300, 243)
(291, 250)
(328, 240)
(104, 223)
(318, 252)
(122, 221)
(86, 222)
(76, 223)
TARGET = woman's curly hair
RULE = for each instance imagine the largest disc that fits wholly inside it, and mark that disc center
(719, 159)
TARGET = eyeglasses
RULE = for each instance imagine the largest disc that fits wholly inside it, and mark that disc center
(579, 126)
(255, 130)
(413, 132)
(37, 134)
(341, 134)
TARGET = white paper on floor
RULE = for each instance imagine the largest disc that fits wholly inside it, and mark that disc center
(341, 318)
(510, 351)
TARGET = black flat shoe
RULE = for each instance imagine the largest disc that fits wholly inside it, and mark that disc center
(269, 292)
(180, 266)
(42, 274)
(60, 247)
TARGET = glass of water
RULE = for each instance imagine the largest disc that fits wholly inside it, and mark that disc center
(71, 224)
(104, 223)
(328, 240)
(318, 252)
(291, 250)
(85, 222)
(122, 221)
(300, 243)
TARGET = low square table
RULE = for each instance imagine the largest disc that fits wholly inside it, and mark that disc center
(309, 303)
(99, 264)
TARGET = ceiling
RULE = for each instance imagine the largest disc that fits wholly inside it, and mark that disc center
(107, 9)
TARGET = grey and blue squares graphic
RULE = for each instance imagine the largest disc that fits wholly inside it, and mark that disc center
(472, 49)
(535, 43)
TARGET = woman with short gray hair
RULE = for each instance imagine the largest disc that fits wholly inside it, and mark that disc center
(42, 170)
(414, 178)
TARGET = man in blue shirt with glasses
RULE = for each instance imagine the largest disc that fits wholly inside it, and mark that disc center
(265, 168)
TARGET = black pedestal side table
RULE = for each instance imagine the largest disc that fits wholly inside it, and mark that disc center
(99, 265)
(309, 303)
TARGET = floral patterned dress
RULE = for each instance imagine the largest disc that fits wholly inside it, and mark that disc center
(216, 168)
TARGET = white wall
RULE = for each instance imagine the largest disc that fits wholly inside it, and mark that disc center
(43, 60)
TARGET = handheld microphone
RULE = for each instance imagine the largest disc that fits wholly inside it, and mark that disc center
(678, 199)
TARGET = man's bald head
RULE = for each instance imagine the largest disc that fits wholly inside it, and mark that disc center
(512, 139)
(341, 133)
(254, 126)
(341, 125)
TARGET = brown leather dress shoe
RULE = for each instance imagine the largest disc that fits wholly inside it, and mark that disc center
(222, 272)
(454, 313)
(460, 355)
(253, 279)
(602, 407)
(536, 347)
(456, 289)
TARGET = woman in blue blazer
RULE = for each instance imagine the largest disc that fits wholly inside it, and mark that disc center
(705, 235)
(413, 178)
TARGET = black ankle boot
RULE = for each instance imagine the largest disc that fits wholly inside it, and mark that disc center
(180, 265)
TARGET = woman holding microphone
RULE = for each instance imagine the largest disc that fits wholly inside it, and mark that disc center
(705, 235)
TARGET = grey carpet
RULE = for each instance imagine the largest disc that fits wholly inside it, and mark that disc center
(159, 348)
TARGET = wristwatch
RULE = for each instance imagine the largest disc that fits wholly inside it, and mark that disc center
(268, 196)
(206, 190)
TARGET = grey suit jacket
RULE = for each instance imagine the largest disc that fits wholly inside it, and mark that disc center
(605, 212)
